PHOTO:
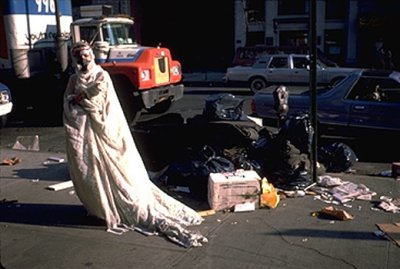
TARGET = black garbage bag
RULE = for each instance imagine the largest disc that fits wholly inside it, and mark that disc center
(194, 173)
(337, 157)
(201, 169)
(299, 131)
(223, 107)
(293, 170)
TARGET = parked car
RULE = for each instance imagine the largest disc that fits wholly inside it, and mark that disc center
(288, 69)
(364, 102)
(248, 55)
(5, 104)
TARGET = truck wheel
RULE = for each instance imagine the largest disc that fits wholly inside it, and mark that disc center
(161, 107)
(257, 84)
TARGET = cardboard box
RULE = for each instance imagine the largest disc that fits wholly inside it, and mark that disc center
(225, 190)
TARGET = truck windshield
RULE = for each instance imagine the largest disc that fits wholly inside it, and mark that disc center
(118, 34)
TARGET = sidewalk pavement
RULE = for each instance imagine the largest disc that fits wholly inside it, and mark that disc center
(47, 229)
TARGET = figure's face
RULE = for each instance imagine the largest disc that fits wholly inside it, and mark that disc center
(83, 57)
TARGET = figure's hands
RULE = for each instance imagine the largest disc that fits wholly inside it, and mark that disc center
(99, 77)
(79, 97)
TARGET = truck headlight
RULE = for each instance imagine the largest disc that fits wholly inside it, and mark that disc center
(176, 70)
(145, 75)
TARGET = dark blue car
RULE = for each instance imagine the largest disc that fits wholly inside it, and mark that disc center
(365, 102)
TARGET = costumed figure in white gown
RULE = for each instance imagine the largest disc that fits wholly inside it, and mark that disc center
(106, 168)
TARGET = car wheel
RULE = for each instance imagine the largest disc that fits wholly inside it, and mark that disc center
(3, 121)
(257, 84)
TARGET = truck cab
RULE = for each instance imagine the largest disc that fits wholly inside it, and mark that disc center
(144, 77)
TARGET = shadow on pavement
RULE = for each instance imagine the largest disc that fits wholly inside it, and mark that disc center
(73, 216)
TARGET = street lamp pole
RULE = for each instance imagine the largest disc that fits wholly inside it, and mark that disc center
(62, 47)
(313, 86)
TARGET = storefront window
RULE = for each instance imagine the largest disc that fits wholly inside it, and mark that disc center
(290, 7)
(336, 9)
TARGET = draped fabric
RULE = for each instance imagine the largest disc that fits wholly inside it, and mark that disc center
(106, 168)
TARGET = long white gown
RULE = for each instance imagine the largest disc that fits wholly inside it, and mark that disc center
(107, 170)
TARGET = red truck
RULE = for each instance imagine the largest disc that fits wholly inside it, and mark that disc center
(145, 78)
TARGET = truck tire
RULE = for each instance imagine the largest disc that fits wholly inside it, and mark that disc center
(132, 105)
(256, 84)
(161, 107)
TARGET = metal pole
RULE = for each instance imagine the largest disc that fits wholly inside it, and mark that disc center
(62, 47)
(313, 86)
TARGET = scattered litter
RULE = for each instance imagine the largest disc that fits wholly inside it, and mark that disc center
(389, 207)
(7, 202)
(295, 194)
(182, 189)
(35, 180)
(27, 143)
(349, 191)
(206, 213)
(392, 231)
(379, 233)
(11, 161)
(245, 207)
(329, 181)
(53, 160)
(333, 213)
(386, 173)
(61, 186)
(269, 196)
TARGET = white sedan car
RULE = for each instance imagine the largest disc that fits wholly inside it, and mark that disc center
(287, 69)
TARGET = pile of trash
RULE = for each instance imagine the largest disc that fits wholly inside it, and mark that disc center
(224, 139)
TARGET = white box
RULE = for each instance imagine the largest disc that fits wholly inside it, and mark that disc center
(225, 190)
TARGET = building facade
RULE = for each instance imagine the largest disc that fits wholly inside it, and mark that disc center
(205, 35)
(347, 30)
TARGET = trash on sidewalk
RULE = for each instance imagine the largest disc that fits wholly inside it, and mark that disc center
(269, 195)
(206, 213)
(244, 207)
(11, 161)
(56, 159)
(27, 143)
(228, 189)
(333, 189)
(392, 231)
(389, 204)
(61, 186)
(331, 212)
